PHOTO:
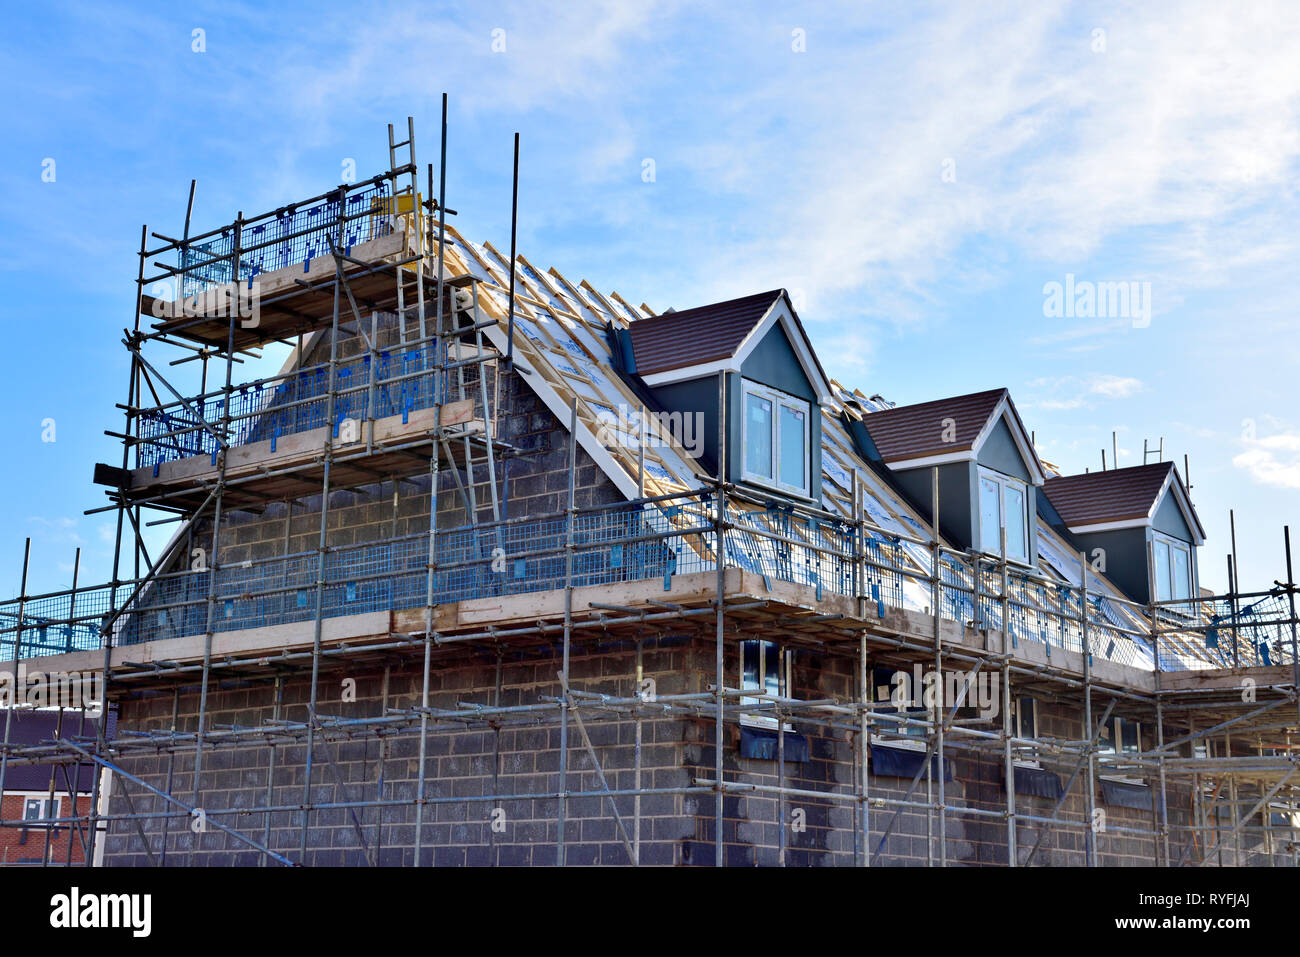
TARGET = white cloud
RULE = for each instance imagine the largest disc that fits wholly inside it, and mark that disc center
(1272, 459)
(1187, 123)
(1114, 387)
(1266, 468)
(1083, 390)
(1286, 442)
(59, 530)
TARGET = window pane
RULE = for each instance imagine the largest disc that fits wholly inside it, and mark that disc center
(1025, 713)
(1023, 725)
(990, 519)
(1182, 574)
(793, 453)
(771, 668)
(749, 669)
(758, 435)
(1162, 571)
(1128, 737)
(1017, 547)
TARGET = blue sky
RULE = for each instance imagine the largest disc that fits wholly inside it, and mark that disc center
(914, 176)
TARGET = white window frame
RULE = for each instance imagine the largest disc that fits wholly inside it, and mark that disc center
(1003, 482)
(778, 400)
(1161, 540)
(1018, 729)
(782, 681)
(46, 806)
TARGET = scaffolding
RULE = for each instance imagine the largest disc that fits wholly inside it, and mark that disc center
(711, 562)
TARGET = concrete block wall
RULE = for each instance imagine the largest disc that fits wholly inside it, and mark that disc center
(827, 834)
(503, 767)
(460, 764)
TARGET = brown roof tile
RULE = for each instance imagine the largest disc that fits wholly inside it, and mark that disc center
(1115, 495)
(915, 431)
(691, 337)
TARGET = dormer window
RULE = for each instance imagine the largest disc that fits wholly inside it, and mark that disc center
(1003, 502)
(1173, 572)
(1139, 523)
(775, 439)
(972, 453)
(745, 365)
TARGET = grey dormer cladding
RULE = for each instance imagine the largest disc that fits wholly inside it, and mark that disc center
(1169, 519)
(999, 453)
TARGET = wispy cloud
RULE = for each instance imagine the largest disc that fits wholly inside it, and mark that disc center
(1075, 392)
(57, 530)
(1114, 386)
(1272, 460)
(1052, 146)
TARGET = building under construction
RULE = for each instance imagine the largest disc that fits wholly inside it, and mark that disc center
(501, 570)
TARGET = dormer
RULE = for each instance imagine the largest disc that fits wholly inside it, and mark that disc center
(1127, 519)
(773, 384)
(988, 471)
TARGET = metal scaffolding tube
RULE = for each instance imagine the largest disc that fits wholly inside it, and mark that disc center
(719, 677)
(322, 552)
